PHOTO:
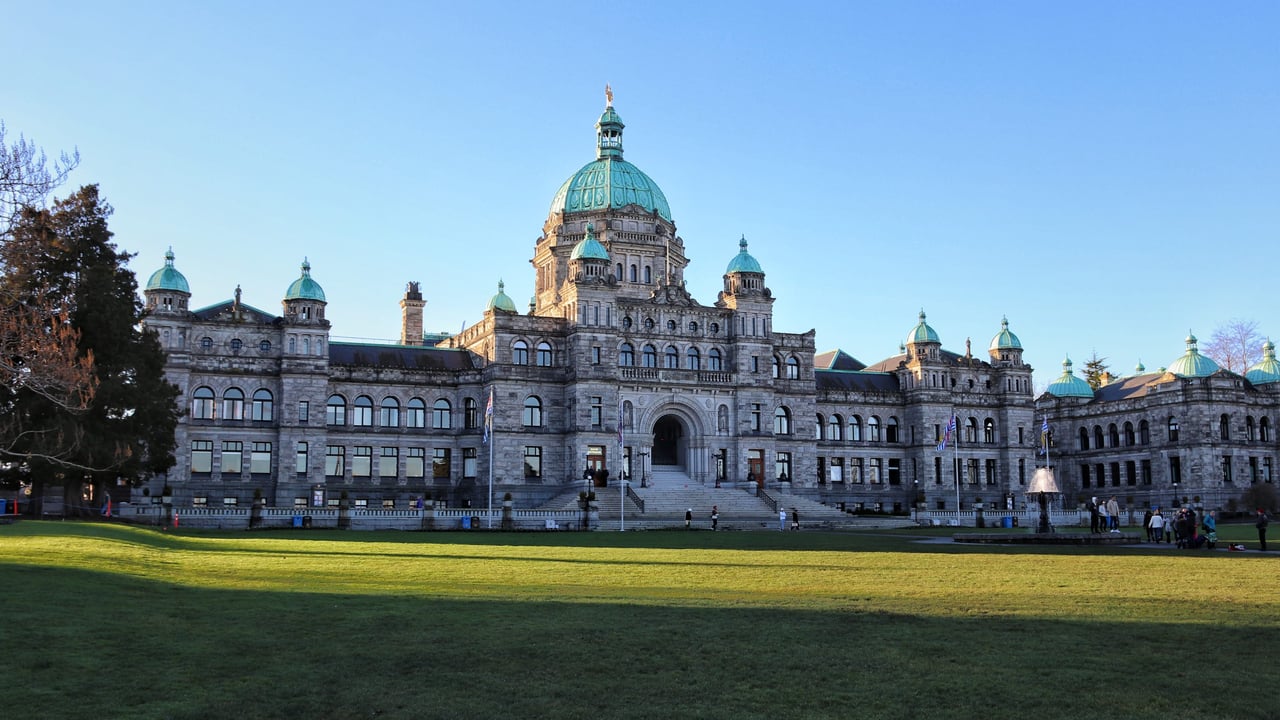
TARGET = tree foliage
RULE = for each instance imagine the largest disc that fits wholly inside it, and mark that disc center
(1235, 345)
(63, 258)
(1095, 370)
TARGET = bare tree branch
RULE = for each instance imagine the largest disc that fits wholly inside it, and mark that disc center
(26, 177)
(1235, 345)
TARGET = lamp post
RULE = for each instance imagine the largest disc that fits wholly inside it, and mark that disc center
(915, 501)
(643, 482)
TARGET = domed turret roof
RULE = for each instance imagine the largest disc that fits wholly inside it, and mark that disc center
(609, 182)
(501, 301)
(743, 262)
(1192, 363)
(589, 247)
(1068, 385)
(168, 277)
(304, 288)
(1268, 370)
(1005, 340)
(923, 333)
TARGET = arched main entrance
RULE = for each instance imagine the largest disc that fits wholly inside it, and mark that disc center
(669, 444)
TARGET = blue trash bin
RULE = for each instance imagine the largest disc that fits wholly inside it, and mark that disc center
(466, 522)
(1008, 521)
(4, 507)
(297, 521)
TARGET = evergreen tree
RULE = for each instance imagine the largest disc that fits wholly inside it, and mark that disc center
(1095, 369)
(65, 256)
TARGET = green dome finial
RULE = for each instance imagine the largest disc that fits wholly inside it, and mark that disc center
(743, 262)
(1268, 370)
(304, 288)
(589, 248)
(1192, 363)
(168, 277)
(922, 333)
(1068, 385)
(1005, 340)
(500, 301)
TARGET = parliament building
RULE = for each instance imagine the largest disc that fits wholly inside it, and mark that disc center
(615, 365)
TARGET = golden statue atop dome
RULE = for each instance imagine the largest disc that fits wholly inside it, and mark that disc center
(608, 95)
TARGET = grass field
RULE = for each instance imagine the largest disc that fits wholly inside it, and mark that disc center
(107, 621)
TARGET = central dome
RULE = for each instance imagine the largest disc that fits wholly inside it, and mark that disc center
(609, 182)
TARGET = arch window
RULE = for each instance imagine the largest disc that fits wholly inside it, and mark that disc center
(891, 430)
(544, 354)
(1144, 432)
(470, 414)
(617, 271)
(1113, 436)
(389, 413)
(988, 431)
(626, 355)
(1250, 430)
(1098, 441)
(817, 430)
(971, 430)
(714, 361)
(648, 324)
(715, 328)
(648, 274)
(1084, 439)
(202, 403)
(206, 343)
(855, 428)
(635, 274)
(1173, 429)
(671, 358)
(233, 404)
(1128, 434)
(532, 414)
(722, 419)
(793, 369)
(1224, 427)
(335, 411)
(782, 421)
(649, 356)
(835, 428)
(873, 428)
(362, 412)
(263, 408)
(236, 344)
(520, 352)
(693, 359)
(442, 415)
(415, 415)
(776, 368)
(671, 326)
(1264, 430)
(626, 321)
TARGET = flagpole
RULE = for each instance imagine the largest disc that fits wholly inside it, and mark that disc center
(488, 432)
(622, 478)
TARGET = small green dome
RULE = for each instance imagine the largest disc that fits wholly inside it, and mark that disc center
(1005, 340)
(743, 262)
(168, 277)
(1139, 368)
(304, 288)
(609, 182)
(923, 333)
(589, 248)
(1068, 385)
(1192, 363)
(1268, 370)
(501, 301)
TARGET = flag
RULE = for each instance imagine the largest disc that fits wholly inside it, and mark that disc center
(488, 417)
(946, 435)
(620, 425)
(1044, 437)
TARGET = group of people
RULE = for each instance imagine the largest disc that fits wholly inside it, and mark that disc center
(1182, 528)
(1104, 516)
(715, 518)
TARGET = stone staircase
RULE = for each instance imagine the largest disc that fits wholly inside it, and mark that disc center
(669, 492)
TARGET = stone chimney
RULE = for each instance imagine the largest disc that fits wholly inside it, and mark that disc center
(411, 315)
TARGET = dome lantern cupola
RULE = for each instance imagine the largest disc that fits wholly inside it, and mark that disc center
(1068, 385)
(609, 130)
(589, 259)
(167, 289)
(743, 275)
(304, 301)
(1192, 363)
(501, 302)
(1005, 346)
(1267, 371)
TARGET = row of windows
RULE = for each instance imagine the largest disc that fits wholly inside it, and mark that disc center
(1115, 435)
(670, 358)
(650, 325)
(834, 428)
(361, 413)
(204, 404)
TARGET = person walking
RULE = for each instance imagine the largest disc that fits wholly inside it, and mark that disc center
(1146, 523)
(688, 518)
(795, 519)
(1104, 520)
(1211, 528)
(1155, 526)
(1113, 512)
(1093, 514)
(1261, 524)
(782, 519)
(715, 516)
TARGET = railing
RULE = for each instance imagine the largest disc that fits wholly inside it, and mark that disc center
(676, 375)
(767, 498)
(639, 501)
(1029, 518)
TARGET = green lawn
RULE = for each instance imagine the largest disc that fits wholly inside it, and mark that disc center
(106, 621)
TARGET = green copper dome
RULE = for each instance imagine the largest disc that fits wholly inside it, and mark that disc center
(609, 182)
(589, 247)
(743, 262)
(1267, 371)
(1068, 385)
(304, 288)
(923, 333)
(168, 277)
(1005, 340)
(1192, 363)
(501, 301)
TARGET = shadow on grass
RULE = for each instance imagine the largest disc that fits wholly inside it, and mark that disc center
(146, 649)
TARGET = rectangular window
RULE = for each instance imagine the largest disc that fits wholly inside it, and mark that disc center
(300, 458)
(755, 364)
(1266, 469)
(230, 501)
(835, 470)
(362, 463)
(1175, 470)
(532, 462)
(972, 471)
(595, 356)
(782, 466)
(1084, 475)
(468, 462)
(415, 465)
(1130, 473)
(299, 502)
(1146, 472)
(335, 461)
(895, 471)
(1226, 468)
(304, 412)
(991, 471)
(200, 501)
(416, 414)
(201, 456)
(873, 472)
(260, 459)
(389, 462)
(232, 457)
(857, 473)
(440, 463)
(597, 411)
(755, 417)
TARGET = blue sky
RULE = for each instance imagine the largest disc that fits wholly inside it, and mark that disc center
(1105, 174)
